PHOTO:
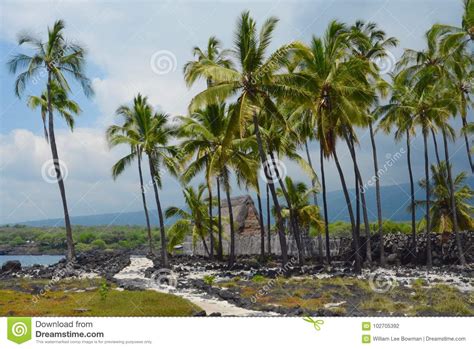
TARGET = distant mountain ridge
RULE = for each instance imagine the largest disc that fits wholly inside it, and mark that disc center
(395, 200)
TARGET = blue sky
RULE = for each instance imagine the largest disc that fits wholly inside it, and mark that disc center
(121, 38)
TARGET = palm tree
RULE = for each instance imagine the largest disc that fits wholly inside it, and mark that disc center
(194, 220)
(457, 38)
(136, 152)
(254, 85)
(59, 58)
(216, 55)
(401, 118)
(428, 110)
(213, 53)
(340, 92)
(452, 198)
(206, 130)
(202, 132)
(459, 81)
(307, 216)
(441, 210)
(152, 134)
(370, 43)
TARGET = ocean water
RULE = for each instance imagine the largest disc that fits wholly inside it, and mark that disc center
(29, 260)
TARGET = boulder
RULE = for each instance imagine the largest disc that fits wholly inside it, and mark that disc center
(11, 267)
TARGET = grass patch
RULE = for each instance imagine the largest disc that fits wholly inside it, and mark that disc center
(70, 298)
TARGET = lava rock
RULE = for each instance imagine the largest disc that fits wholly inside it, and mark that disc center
(11, 267)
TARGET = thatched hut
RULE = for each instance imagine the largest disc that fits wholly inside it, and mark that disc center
(246, 216)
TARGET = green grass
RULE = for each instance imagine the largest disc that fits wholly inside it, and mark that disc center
(64, 300)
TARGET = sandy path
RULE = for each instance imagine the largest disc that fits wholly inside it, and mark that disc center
(134, 274)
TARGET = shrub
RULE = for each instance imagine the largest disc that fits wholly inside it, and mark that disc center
(209, 279)
(99, 244)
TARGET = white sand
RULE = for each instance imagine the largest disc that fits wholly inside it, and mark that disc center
(134, 274)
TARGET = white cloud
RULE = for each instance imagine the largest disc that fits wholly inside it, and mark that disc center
(89, 186)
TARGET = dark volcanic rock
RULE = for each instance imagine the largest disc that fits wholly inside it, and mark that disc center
(11, 267)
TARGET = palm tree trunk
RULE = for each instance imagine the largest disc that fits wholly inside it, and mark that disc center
(293, 226)
(231, 225)
(260, 221)
(466, 141)
(429, 262)
(357, 203)
(377, 195)
(164, 253)
(145, 208)
(355, 239)
(412, 197)
(454, 213)
(204, 243)
(71, 254)
(269, 228)
(435, 142)
(219, 219)
(211, 230)
(281, 229)
(315, 201)
(325, 206)
(360, 184)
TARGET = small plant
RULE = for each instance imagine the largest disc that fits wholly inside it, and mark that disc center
(259, 278)
(209, 279)
(104, 290)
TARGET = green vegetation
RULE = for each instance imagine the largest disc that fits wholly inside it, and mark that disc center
(86, 298)
(52, 240)
(209, 279)
(339, 295)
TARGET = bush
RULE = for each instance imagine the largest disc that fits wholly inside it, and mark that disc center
(86, 238)
(17, 241)
(99, 244)
(209, 279)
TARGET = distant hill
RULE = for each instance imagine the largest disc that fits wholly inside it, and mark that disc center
(395, 199)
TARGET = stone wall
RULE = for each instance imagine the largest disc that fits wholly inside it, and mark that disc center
(250, 245)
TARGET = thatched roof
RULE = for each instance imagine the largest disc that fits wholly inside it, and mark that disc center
(246, 217)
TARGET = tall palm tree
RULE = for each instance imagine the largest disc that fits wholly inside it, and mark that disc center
(202, 132)
(428, 110)
(340, 91)
(213, 53)
(405, 127)
(136, 152)
(254, 84)
(60, 59)
(370, 43)
(152, 133)
(194, 220)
